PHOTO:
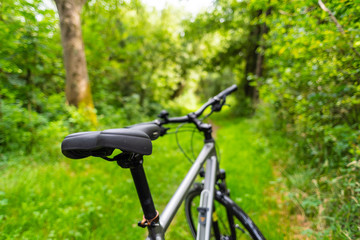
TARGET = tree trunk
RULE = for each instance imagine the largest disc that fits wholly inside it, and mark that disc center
(251, 59)
(77, 90)
(254, 58)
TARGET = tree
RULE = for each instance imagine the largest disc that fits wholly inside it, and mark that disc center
(78, 91)
(255, 58)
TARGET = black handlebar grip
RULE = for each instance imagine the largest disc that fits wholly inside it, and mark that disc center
(227, 91)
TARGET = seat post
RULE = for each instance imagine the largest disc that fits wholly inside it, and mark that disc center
(143, 191)
(135, 163)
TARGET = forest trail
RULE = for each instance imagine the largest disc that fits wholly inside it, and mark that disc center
(253, 163)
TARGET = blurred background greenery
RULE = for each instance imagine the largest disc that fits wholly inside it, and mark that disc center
(292, 129)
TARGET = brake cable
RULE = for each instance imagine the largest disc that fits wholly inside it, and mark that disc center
(179, 145)
(216, 107)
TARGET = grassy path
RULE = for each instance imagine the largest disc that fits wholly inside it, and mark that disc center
(248, 157)
(93, 199)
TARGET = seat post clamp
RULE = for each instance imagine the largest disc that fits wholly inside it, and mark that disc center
(149, 222)
(129, 160)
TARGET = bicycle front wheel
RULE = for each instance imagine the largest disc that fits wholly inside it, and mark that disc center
(229, 221)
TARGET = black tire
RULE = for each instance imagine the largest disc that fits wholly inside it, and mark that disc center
(229, 221)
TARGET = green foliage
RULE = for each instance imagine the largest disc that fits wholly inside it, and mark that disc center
(17, 127)
(225, 39)
(31, 75)
(215, 81)
(24, 131)
(30, 64)
(133, 54)
(313, 83)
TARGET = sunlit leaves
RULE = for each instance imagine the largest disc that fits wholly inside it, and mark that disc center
(29, 52)
(312, 81)
(132, 50)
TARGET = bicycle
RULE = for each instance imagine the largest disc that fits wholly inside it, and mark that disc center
(211, 196)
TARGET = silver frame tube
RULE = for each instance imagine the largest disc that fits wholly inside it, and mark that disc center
(208, 153)
(172, 207)
(207, 198)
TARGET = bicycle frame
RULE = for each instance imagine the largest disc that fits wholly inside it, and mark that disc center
(102, 144)
(208, 155)
(135, 142)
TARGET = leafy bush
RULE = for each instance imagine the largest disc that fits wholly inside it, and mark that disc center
(312, 81)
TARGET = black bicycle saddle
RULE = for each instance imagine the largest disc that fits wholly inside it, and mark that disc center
(133, 139)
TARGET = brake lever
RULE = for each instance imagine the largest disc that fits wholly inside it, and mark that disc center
(216, 107)
(163, 130)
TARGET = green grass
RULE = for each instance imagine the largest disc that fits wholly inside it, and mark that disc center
(61, 198)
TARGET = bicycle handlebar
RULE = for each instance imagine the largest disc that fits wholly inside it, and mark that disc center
(211, 102)
(227, 91)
